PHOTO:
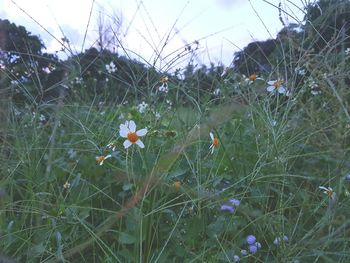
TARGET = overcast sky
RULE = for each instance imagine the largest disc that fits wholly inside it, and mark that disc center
(155, 30)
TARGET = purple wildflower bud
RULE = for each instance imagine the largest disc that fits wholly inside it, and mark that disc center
(251, 239)
(277, 241)
(244, 252)
(347, 177)
(236, 258)
(258, 245)
(235, 202)
(253, 249)
(227, 208)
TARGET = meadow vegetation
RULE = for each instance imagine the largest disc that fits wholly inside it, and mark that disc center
(245, 163)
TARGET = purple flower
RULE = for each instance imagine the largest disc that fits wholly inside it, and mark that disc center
(235, 202)
(227, 208)
(251, 239)
(253, 249)
(278, 240)
(244, 252)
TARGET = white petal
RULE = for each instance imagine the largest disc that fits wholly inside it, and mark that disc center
(211, 148)
(132, 126)
(123, 131)
(141, 132)
(323, 188)
(281, 90)
(270, 88)
(211, 136)
(140, 143)
(127, 144)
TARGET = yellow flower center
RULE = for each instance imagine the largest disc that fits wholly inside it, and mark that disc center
(164, 79)
(278, 83)
(100, 159)
(329, 193)
(252, 77)
(132, 137)
(177, 185)
(216, 142)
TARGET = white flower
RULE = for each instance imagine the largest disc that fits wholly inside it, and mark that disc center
(78, 80)
(42, 118)
(315, 92)
(46, 70)
(112, 145)
(251, 78)
(2, 64)
(214, 142)
(111, 68)
(217, 92)
(101, 159)
(128, 130)
(66, 185)
(142, 107)
(300, 71)
(276, 86)
(164, 88)
(328, 191)
(157, 115)
(347, 51)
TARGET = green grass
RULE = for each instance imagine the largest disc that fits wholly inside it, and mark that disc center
(128, 210)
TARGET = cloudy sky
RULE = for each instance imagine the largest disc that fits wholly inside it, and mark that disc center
(155, 31)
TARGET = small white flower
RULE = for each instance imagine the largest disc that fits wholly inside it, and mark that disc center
(142, 107)
(328, 191)
(66, 185)
(46, 70)
(217, 92)
(42, 118)
(78, 80)
(128, 130)
(101, 159)
(214, 142)
(112, 146)
(315, 92)
(300, 71)
(111, 68)
(276, 86)
(2, 64)
(164, 88)
(347, 51)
